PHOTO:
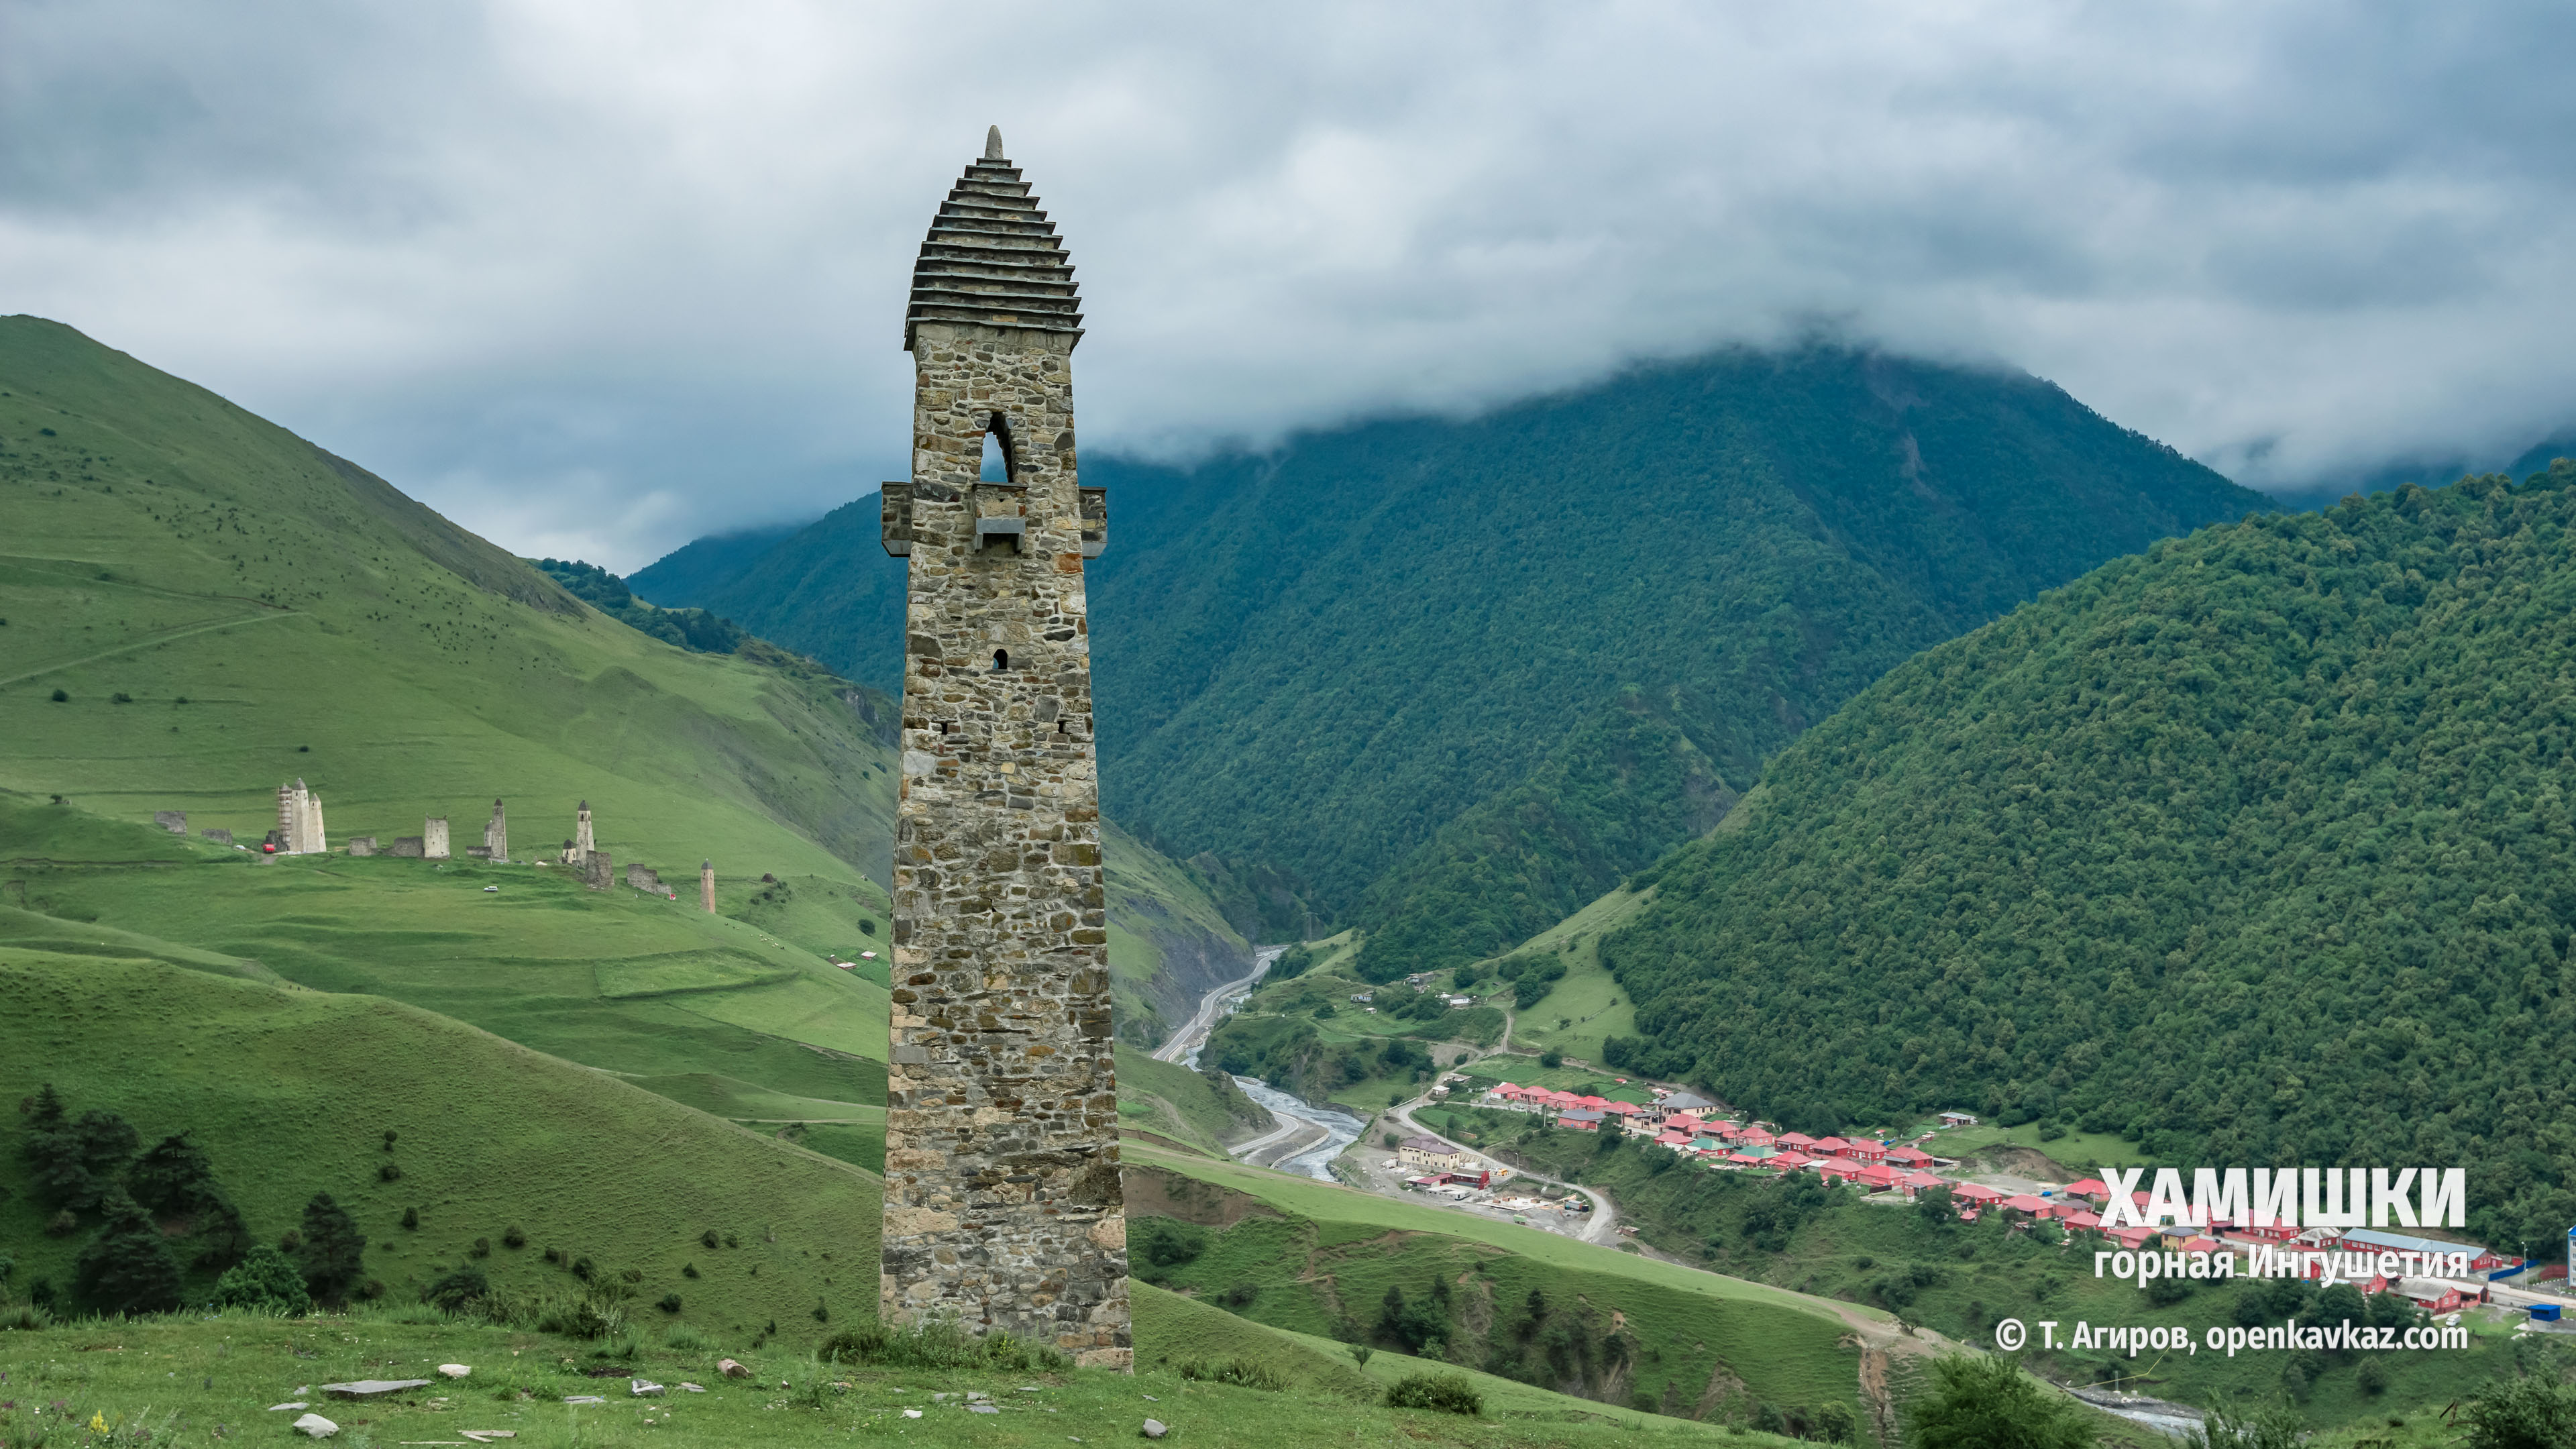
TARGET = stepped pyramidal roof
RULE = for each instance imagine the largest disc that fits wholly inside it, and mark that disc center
(992, 256)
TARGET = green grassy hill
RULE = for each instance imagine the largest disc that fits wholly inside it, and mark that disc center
(290, 1091)
(1631, 1332)
(631, 983)
(224, 607)
(2254, 848)
(1178, 1105)
(1169, 945)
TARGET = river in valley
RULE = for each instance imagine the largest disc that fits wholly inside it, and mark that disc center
(1340, 1128)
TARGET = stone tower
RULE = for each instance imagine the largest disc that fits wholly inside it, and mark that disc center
(496, 834)
(707, 885)
(1002, 1206)
(583, 842)
(433, 838)
(299, 821)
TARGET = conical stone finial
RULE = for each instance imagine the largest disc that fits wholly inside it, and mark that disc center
(993, 143)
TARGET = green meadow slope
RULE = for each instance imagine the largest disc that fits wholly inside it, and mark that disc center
(290, 1092)
(627, 982)
(225, 607)
(1169, 945)
(1527, 1307)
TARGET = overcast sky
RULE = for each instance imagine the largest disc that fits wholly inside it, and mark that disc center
(596, 278)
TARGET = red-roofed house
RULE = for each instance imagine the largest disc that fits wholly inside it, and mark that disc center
(1591, 1102)
(1799, 1140)
(1908, 1157)
(2082, 1220)
(2025, 1203)
(1876, 1176)
(1836, 1169)
(1834, 1145)
(2198, 1244)
(2431, 1294)
(1789, 1158)
(2133, 1237)
(1755, 1137)
(2091, 1189)
(1976, 1192)
(1746, 1159)
(1865, 1151)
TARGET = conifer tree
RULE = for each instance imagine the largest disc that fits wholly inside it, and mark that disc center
(333, 1255)
(127, 1268)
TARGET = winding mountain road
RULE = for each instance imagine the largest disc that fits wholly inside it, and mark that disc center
(1213, 1005)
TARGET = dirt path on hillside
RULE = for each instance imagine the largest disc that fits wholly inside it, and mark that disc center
(161, 636)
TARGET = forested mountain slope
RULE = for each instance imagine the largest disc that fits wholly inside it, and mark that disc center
(1311, 660)
(2256, 847)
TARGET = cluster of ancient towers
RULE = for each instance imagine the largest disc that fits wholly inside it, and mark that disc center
(300, 832)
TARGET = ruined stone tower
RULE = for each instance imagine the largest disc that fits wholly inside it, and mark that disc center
(299, 821)
(496, 834)
(1002, 1206)
(707, 885)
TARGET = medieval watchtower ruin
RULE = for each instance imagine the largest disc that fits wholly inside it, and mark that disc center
(1002, 1204)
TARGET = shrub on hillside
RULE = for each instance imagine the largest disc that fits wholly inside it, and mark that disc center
(2277, 1428)
(939, 1345)
(670, 1303)
(458, 1288)
(1446, 1393)
(1160, 1244)
(264, 1281)
(2524, 1414)
(1249, 1373)
(511, 1237)
(1989, 1403)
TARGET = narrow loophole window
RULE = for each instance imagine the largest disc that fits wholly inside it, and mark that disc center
(1059, 727)
(996, 469)
(1001, 660)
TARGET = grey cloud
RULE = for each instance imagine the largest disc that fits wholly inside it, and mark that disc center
(596, 278)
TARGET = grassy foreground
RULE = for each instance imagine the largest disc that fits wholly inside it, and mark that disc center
(289, 1092)
(187, 1382)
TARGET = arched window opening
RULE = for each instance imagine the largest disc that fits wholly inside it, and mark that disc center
(1001, 660)
(998, 465)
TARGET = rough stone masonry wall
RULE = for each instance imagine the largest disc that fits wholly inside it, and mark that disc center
(1003, 1209)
